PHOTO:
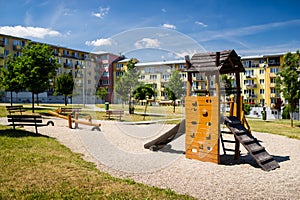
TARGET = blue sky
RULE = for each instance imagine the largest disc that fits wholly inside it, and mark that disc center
(250, 27)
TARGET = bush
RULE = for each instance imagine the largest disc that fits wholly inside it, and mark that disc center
(286, 112)
(247, 109)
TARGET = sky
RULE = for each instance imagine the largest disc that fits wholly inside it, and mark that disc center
(160, 29)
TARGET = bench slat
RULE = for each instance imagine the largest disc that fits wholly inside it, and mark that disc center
(25, 120)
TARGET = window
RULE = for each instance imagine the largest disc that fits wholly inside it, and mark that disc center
(262, 81)
(262, 102)
(105, 82)
(89, 81)
(6, 53)
(183, 76)
(119, 74)
(249, 72)
(181, 66)
(166, 77)
(272, 100)
(262, 91)
(119, 66)
(273, 91)
(5, 40)
(274, 70)
(273, 80)
(142, 77)
(261, 71)
(153, 77)
(105, 74)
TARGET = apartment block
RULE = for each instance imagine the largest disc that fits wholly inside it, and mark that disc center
(89, 70)
(156, 74)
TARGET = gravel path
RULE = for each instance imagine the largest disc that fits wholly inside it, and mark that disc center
(118, 150)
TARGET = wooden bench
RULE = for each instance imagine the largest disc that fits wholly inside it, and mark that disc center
(116, 113)
(67, 111)
(27, 120)
(14, 109)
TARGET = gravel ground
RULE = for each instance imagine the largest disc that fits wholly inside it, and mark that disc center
(118, 150)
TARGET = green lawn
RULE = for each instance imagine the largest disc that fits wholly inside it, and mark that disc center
(37, 167)
(278, 127)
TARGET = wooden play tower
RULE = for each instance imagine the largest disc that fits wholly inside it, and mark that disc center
(206, 103)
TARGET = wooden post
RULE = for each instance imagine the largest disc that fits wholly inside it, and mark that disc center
(238, 111)
(70, 120)
(189, 76)
(76, 117)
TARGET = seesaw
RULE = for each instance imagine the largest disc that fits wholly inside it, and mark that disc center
(76, 121)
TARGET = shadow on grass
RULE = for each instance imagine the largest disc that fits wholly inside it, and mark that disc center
(247, 159)
(19, 133)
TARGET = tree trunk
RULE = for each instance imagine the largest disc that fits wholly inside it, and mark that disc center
(37, 99)
(65, 100)
(11, 100)
(292, 118)
(145, 109)
(32, 108)
(174, 105)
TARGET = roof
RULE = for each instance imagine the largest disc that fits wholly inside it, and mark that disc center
(160, 63)
(226, 61)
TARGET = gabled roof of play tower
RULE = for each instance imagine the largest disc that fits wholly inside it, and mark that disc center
(225, 62)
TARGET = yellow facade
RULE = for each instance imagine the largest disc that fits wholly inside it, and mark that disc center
(258, 82)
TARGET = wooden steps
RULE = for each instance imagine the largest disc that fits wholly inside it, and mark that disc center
(251, 144)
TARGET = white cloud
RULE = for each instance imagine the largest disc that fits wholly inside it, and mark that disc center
(102, 12)
(201, 24)
(28, 31)
(164, 10)
(147, 43)
(171, 26)
(100, 42)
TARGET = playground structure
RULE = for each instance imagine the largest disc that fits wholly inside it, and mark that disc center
(75, 120)
(205, 109)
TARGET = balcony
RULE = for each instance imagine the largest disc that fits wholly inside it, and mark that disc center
(272, 85)
(17, 47)
(274, 95)
(68, 65)
(273, 75)
(250, 76)
(251, 96)
(251, 86)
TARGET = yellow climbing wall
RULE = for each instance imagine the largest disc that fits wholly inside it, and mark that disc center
(202, 128)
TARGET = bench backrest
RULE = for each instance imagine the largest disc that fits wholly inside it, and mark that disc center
(115, 111)
(24, 118)
(12, 109)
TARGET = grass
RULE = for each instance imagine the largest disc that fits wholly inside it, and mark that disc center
(278, 127)
(37, 167)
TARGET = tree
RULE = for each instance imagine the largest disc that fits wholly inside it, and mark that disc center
(228, 82)
(36, 66)
(175, 88)
(144, 92)
(288, 81)
(65, 85)
(101, 93)
(9, 78)
(127, 83)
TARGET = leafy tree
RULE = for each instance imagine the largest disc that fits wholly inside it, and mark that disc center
(65, 85)
(144, 92)
(288, 81)
(9, 78)
(101, 93)
(128, 82)
(36, 66)
(228, 82)
(175, 88)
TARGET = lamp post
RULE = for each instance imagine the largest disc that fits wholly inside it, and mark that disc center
(298, 71)
(83, 87)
